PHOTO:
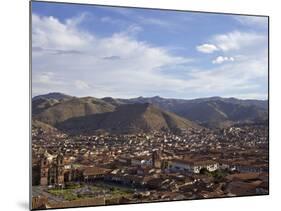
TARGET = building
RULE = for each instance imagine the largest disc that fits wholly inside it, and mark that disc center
(141, 161)
(178, 165)
(51, 169)
(91, 174)
(242, 167)
(156, 159)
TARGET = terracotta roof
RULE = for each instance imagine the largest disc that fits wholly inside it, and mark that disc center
(243, 176)
(93, 171)
(239, 188)
(195, 162)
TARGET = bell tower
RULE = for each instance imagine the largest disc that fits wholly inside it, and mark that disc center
(156, 159)
(60, 171)
(44, 170)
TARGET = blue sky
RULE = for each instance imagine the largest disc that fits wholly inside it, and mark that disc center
(86, 50)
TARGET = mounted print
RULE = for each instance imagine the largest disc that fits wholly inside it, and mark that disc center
(136, 105)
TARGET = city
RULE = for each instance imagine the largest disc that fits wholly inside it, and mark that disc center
(158, 166)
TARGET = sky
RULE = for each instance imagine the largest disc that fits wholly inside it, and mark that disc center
(89, 50)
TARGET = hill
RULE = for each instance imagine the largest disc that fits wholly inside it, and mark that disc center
(43, 126)
(59, 111)
(211, 112)
(53, 96)
(128, 118)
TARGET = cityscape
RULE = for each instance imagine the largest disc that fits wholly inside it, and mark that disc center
(105, 167)
(133, 105)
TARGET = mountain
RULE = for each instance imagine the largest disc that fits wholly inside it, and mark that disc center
(113, 101)
(53, 96)
(128, 118)
(41, 104)
(170, 103)
(114, 114)
(211, 112)
(53, 111)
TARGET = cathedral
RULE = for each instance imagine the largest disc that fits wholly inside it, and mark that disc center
(52, 170)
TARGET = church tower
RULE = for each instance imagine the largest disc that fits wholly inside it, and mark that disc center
(44, 171)
(60, 171)
(156, 159)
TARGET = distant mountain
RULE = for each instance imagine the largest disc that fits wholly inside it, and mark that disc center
(54, 111)
(170, 103)
(112, 114)
(53, 96)
(113, 101)
(128, 118)
(211, 112)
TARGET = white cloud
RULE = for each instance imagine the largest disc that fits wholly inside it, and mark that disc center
(45, 82)
(231, 79)
(47, 78)
(81, 84)
(207, 48)
(237, 40)
(122, 66)
(131, 30)
(74, 21)
(49, 32)
(222, 59)
(233, 41)
(137, 18)
(137, 69)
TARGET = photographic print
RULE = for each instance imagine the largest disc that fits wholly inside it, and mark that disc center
(136, 105)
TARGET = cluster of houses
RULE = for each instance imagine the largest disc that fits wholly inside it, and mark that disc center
(53, 170)
(169, 166)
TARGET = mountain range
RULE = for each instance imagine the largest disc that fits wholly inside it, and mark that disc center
(87, 115)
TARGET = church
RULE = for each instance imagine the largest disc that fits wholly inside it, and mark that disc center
(52, 170)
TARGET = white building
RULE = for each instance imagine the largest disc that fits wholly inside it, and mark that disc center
(178, 165)
(141, 161)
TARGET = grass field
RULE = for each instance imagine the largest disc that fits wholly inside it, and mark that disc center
(66, 194)
(99, 189)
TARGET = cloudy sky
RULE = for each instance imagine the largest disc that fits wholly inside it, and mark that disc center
(85, 50)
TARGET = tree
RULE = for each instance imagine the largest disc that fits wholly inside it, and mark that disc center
(204, 171)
